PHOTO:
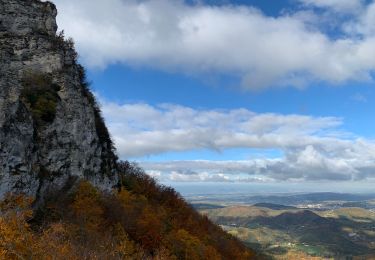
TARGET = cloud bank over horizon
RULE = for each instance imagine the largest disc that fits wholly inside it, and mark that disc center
(312, 148)
(294, 48)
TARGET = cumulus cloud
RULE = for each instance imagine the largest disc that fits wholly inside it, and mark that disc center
(365, 24)
(177, 176)
(240, 41)
(312, 148)
(306, 164)
(142, 129)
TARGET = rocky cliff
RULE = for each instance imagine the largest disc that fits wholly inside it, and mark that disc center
(51, 130)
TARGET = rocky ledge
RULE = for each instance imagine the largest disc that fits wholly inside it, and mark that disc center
(51, 130)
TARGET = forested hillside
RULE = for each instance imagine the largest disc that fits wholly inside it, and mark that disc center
(139, 220)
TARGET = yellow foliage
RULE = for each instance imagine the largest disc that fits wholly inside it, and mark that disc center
(56, 243)
(16, 238)
(89, 224)
(187, 246)
(125, 248)
(86, 206)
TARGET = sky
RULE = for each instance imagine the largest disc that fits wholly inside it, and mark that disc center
(225, 92)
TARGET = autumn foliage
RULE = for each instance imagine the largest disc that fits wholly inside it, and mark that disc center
(139, 220)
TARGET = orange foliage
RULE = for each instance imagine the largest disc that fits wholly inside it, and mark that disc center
(16, 240)
(86, 206)
(142, 220)
(149, 229)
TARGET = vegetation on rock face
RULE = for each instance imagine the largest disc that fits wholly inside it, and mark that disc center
(101, 129)
(59, 42)
(141, 220)
(39, 93)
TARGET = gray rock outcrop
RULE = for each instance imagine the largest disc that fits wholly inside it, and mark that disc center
(51, 130)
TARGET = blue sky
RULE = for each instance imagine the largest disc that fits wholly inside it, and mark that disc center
(351, 101)
(234, 91)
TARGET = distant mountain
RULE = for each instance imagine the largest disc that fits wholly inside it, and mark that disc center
(310, 228)
(299, 219)
(332, 233)
(201, 206)
(273, 206)
(368, 204)
(295, 199)
(324, 196)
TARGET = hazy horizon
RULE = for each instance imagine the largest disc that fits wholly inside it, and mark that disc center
(193, 188)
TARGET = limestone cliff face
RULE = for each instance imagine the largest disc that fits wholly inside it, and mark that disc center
(51, 131)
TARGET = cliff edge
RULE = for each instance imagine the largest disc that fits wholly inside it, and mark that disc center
(51, 130)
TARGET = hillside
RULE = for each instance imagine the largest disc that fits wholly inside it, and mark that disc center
(63, 192)
(273, 206)
(341, 232)
(142, 220)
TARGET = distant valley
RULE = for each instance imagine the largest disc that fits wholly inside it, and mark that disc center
(286, 226)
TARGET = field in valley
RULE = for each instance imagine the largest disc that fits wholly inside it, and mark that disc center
(328, 229)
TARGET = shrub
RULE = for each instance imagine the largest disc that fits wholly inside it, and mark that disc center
(59, 42)
(39, 93)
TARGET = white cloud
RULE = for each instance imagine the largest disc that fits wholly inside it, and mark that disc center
(260, 50)
(305, 164)
(177, 176)
(154, 174)
(365, 26)
(141, 129)
(313, 148)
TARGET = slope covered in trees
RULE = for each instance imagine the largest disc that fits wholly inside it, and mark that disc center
(139, 220)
